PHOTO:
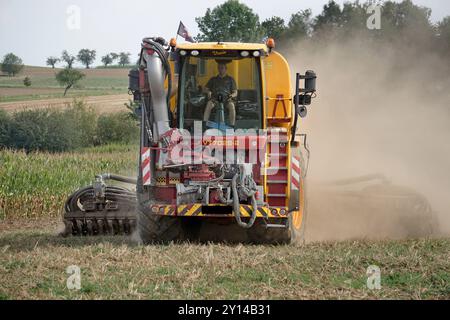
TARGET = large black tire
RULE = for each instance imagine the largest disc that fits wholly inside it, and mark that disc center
(158, 229)
(260, 234)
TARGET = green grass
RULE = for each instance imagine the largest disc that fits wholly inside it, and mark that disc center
(33, 264)
(36, 184)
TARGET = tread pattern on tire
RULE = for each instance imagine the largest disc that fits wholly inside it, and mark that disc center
(157, 229)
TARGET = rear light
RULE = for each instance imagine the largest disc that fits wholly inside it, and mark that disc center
(274, 212)
(257, 195)
(244, 53)
(282, 212)
(154, 209)
(183, 52)
(195, 53)
(256, 54)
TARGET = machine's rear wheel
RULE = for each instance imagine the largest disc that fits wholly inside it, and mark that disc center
(157, 229)
(295, 227)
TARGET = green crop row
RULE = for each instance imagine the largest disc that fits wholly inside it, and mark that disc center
(36, 184)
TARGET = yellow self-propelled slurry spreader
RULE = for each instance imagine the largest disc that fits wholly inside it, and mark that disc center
(219, 146)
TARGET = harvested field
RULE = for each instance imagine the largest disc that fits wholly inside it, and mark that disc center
(33, 262)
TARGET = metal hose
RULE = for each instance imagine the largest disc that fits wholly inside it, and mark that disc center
(237, 206)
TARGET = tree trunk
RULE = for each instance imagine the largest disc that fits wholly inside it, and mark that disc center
(67, 88)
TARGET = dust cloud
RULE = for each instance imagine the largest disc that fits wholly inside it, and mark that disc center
(379, 109)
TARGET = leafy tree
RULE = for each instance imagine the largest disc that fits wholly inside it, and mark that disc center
(67, 58)
(354, 17)
(117, 127)
(230, 21)
(124, 58)
(114, 56)
(68, 78)
(4, 128)
(406, 22)
(86, 57)
(273, 27)
(299, 25)
(443, 30)
(329, 19)
(51, 61)
(107, 59)
(27, 81)
(11, 64)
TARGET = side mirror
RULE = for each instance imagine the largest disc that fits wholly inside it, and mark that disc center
(303, 96)
(310, 81)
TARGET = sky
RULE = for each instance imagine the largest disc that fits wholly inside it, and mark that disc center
(35, 30)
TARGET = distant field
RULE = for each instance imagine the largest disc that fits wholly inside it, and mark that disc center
(98, 81)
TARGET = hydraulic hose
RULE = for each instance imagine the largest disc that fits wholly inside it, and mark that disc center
(109, 176)
(162, 55)
(236, 206)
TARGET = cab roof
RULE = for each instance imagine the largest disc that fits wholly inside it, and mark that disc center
(221, 46)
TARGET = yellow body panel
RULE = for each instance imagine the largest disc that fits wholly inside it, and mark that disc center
(278, 84)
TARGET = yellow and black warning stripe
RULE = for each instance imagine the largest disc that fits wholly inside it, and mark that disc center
(195, 210)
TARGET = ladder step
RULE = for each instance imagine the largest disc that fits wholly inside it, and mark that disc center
(273, 141)
(276, 195)
(277, 181)
(277, 154)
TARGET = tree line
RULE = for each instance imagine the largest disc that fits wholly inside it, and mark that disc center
(13, 65)
(87, 58)
(401, 22)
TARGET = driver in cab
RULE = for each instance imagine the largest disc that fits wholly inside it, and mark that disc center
(222, 83)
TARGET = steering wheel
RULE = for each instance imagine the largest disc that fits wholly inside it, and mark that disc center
(221, 96)
(198, 99)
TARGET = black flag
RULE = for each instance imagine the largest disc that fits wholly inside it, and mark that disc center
(183, 32)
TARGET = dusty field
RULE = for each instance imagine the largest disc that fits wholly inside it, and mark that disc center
(33, 262)
(102, 104)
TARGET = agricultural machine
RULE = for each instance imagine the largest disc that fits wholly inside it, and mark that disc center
(219, 147)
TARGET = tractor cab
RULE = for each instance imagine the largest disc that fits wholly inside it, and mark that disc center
(220, 85)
